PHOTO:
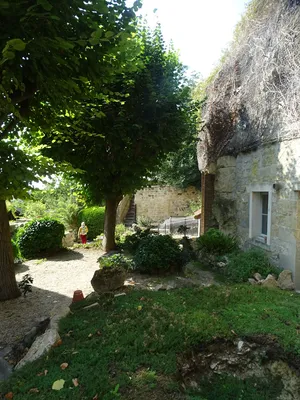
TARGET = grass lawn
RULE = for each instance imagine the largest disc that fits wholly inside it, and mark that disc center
(128, 347)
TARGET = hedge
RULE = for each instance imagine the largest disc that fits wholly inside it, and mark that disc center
(94, 220)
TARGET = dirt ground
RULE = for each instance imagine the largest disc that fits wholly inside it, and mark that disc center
(54, 281)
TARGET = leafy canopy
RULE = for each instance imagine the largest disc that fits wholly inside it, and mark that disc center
(117, 143)
(51, 55)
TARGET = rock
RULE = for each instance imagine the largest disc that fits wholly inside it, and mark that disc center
(108, 279)
(240, 345)
(257, 276)
(57, 313)
(270, 282)
(5, 370)
(30, 336)
(285, 280)
(41, 345)
(252, 281)
(91, 306)
(68, 240)
(93, 297)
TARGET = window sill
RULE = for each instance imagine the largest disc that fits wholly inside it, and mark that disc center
(261, 242)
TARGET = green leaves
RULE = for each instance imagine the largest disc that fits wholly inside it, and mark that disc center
(45, 4)
(11, 47)
(16, 44)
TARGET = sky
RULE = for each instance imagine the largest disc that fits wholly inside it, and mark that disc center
(199, 29)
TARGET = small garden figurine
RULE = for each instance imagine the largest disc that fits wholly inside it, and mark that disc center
(82, 232)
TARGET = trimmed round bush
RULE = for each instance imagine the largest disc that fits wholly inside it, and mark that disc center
(40, 236)
(158, 253)
(94, 220)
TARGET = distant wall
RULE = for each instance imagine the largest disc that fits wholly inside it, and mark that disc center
(161, 202)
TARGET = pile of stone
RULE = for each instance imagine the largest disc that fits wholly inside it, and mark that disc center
(284, 281)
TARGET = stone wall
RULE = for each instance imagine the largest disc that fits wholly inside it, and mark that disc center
(160, 202)
(237, 179)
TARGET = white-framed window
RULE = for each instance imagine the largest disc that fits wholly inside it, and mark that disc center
(260, 213)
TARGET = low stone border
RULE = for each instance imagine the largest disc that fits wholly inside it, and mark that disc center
(48, 339)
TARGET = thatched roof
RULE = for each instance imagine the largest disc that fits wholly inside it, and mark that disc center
(255, 97)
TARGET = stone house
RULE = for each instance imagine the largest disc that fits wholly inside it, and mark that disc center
(249, 149)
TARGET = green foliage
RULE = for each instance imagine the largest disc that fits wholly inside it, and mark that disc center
(16, 250)
(145, 222)
(25, 285)
(120, 230)
(153, 337)
(132, 135)
(224, 387)
(215, 242)
(51, 55)
(131, 242)
(40, 236)
(116, 261)
(94, 220)
(242, 266)
(188, 254)
(180, 169)
(19, 170)
(158, 253)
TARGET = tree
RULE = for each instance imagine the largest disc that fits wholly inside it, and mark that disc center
(17, 176)
(180, 169)
(51, 57)
(119, 143)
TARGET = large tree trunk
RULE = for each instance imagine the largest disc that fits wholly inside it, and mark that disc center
(111, 205)
(8, 284)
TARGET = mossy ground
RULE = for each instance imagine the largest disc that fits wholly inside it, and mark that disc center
(128, 347)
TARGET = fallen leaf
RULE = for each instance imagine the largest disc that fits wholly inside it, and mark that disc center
(75, 382)
(9, 395)
(99, 333)
(64, 366)
(34, 390)
(139, 308)
(142, 298)
(44, 373)
(58, 385)
(95, 397)
(90, 335)
(57, 343)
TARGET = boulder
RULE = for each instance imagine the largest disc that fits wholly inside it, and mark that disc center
(257, 276)
(285, 280)
(68, 240)
(41, 346)
(270, 282)
(108, 279)
(252, 281)
(93, 297)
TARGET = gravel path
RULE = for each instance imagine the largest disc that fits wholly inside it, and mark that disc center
(55, 280)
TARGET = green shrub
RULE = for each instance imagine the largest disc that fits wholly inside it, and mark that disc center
(39, 236)
(132, 242)
(16, 250)
(242, 266)
(158, 253)
(215, 242)
(94, 220)
(116, 261)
